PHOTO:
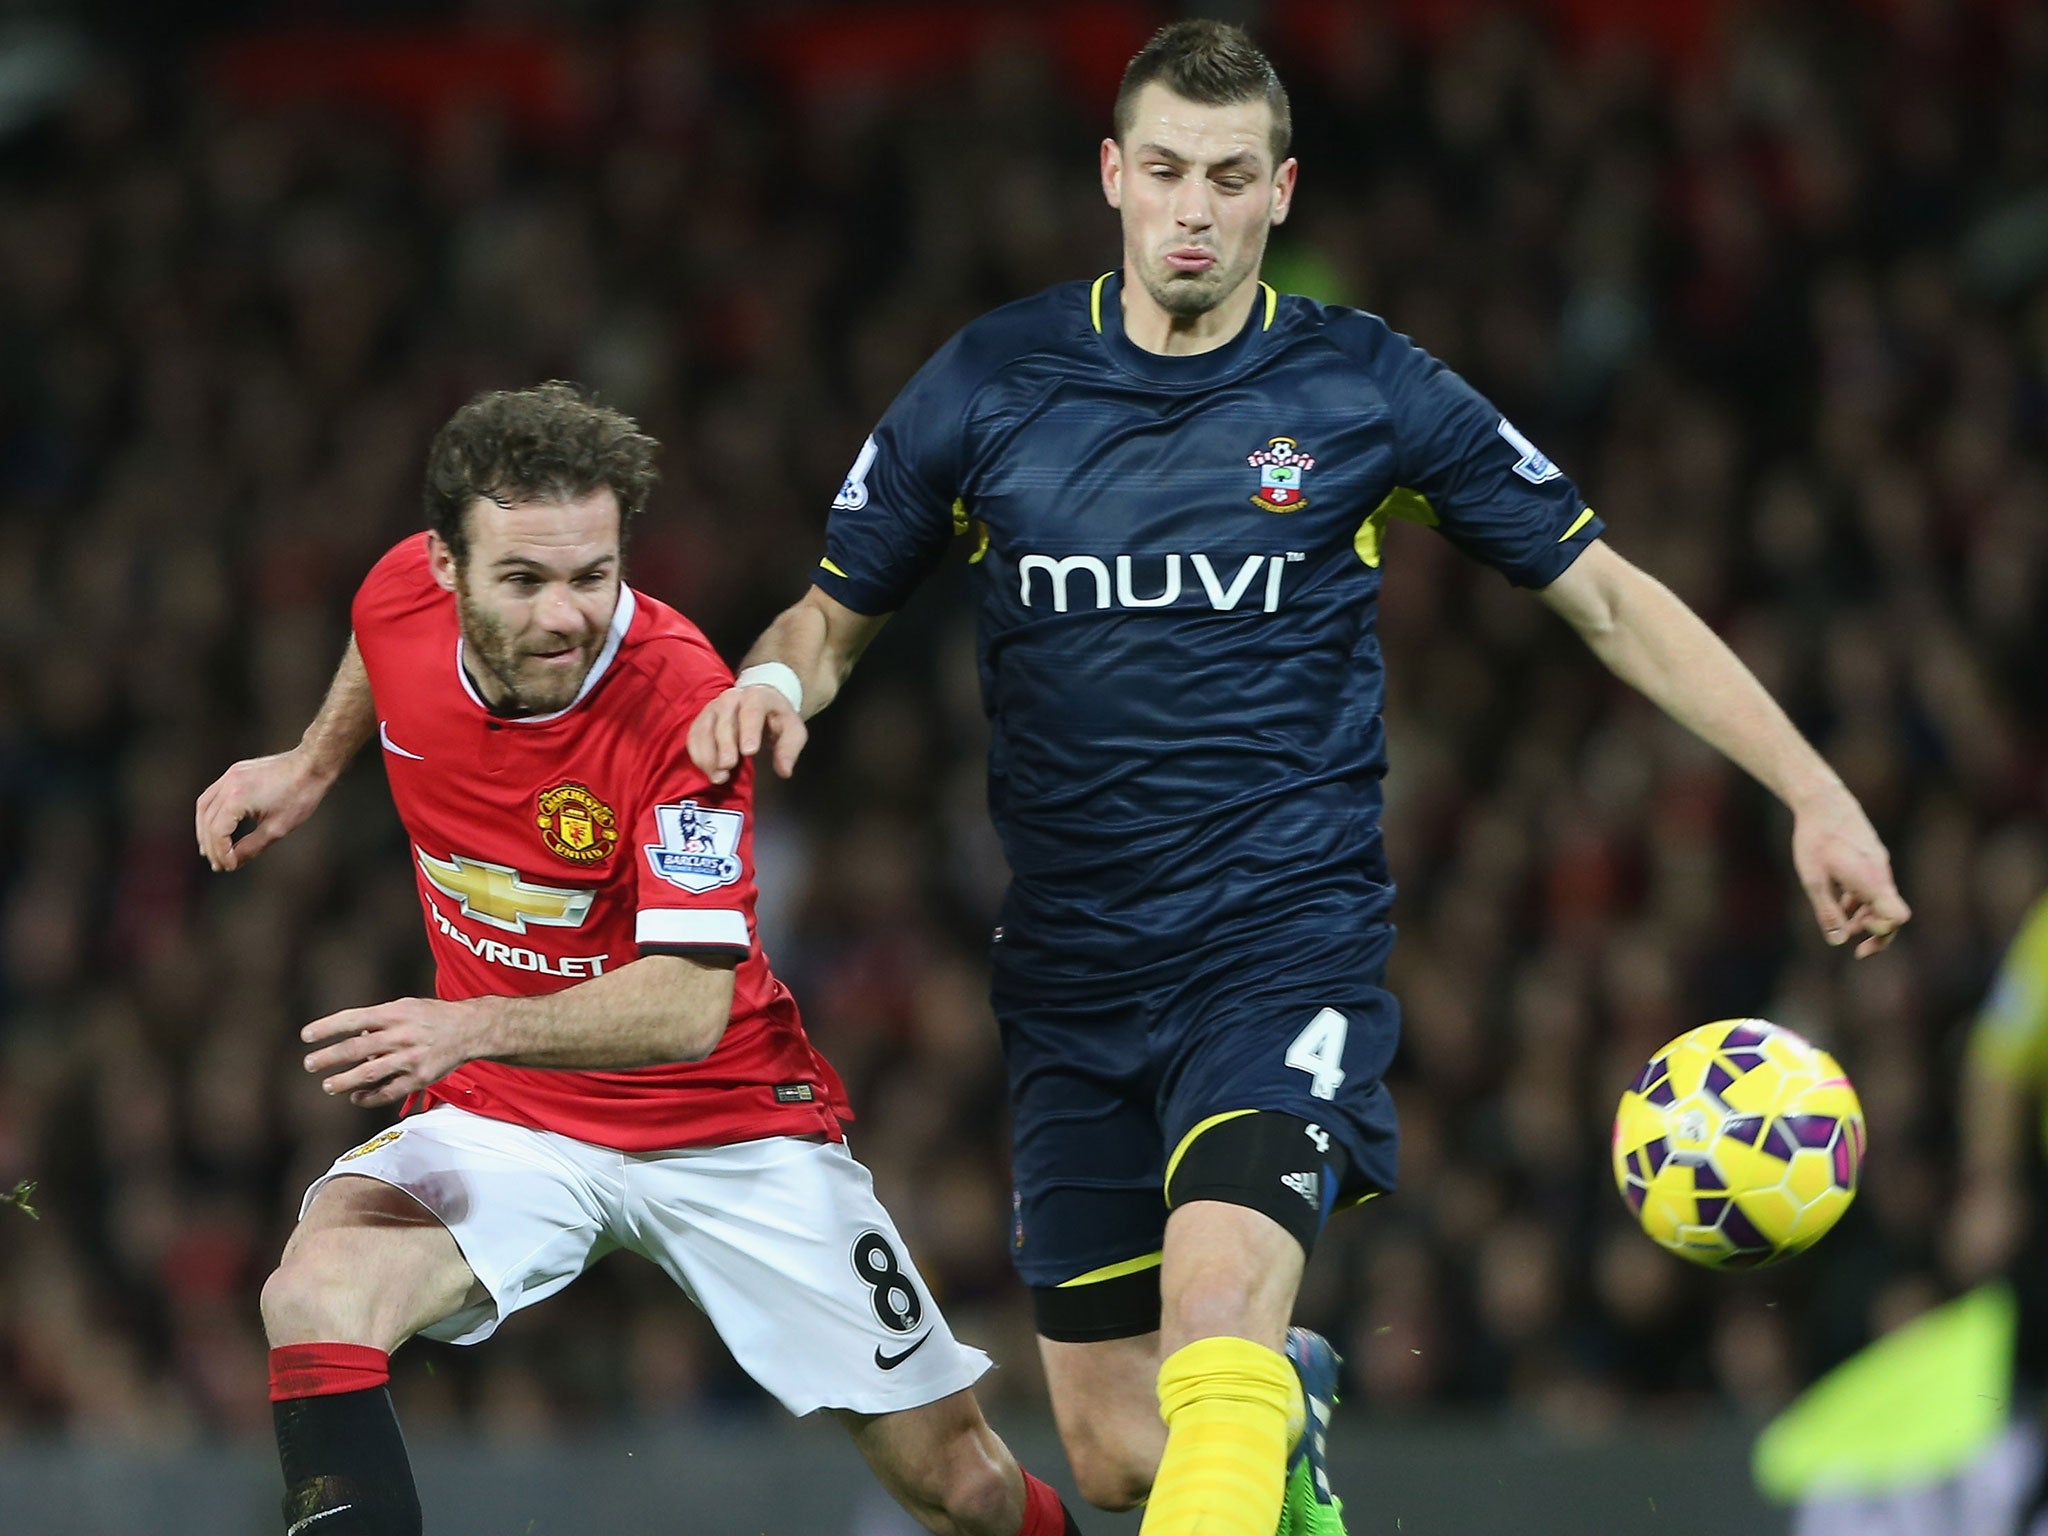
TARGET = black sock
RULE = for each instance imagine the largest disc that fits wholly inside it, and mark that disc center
(345, 1468)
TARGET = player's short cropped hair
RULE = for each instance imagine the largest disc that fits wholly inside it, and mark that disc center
(551, 442)
(1211, 62)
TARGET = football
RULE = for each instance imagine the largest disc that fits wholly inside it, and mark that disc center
(1739, 1144)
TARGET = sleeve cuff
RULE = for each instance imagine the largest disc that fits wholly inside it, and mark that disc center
(675, 929)
(1563, 554)
(862, 597)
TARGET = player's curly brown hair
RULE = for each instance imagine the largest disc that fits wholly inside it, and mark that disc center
(1211, 62)
(553, 441)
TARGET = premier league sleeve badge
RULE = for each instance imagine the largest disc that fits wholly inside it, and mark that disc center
(699, 847)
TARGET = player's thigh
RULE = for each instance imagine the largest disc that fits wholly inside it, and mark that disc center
(784, 1245)
(505, 1215)
(357, 1228)
(1105, 1403)
(1276, 1097)
(1229, 1271)
(1086, 1160)
(1113, 1377)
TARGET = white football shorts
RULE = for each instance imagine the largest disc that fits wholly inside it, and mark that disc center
(781, 1242)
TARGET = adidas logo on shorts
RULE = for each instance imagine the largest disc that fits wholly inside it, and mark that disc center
(1306, 1185)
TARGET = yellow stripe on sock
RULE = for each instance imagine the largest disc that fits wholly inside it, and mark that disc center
(1232, 1409)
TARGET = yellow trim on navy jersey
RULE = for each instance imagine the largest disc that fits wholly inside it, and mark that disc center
(1114, 1271)
(1402, 502)
(827, 563)
(1095, 302)
(1188, 1140)
(965, 522)
(1584, 518)
(1272, 304)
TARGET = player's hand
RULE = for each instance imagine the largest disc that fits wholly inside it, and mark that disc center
(379, 1056)
(277, 793)
(738, 723)
(1846, 872)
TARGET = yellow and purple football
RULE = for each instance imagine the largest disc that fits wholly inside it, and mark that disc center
(1740, 1144)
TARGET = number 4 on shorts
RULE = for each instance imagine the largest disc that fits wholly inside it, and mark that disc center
(1319, 1051)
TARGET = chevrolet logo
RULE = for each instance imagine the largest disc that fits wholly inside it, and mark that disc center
(499, 895)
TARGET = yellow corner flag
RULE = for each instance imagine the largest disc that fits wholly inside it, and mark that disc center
(1911, 1407)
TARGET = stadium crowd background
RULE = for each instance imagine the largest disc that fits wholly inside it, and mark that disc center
(1772, 286)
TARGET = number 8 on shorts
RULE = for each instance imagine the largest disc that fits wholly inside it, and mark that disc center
(890, 1292)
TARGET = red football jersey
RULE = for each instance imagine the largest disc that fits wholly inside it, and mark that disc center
(551, 849)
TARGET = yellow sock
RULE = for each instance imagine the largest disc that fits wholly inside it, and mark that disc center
(1233, 1410)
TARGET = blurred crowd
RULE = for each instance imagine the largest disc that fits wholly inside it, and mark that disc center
(1780, 307)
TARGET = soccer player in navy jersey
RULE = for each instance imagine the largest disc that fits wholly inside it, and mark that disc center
(1177, 481)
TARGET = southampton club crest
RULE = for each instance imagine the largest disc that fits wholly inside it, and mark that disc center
(575, 824)
(699, 848)
(1281, 465)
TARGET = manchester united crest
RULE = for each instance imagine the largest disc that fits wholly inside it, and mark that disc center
(1281, 465)
(576, 825)
(381, 1139)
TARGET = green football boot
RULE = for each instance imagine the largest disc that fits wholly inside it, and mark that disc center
(1311, 1508)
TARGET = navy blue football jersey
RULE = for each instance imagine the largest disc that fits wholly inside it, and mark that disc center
(1178, 566)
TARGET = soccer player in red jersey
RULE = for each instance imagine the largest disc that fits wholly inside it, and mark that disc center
(609, 1062)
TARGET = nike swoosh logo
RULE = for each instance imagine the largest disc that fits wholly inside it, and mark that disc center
(890, 1362)
(384, 735)
(338, 1509)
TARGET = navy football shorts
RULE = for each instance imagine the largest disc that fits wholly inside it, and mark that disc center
(1107, 1083)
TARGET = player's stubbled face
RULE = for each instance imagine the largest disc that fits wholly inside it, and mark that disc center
(1198, 193)
(536, 596)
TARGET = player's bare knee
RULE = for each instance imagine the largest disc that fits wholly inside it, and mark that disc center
(1230, 1271)
(1105, 1470)
(1210, 1311)
(306, 1301)
(322, 1291)
(1116, 1489)
(1209, 1301)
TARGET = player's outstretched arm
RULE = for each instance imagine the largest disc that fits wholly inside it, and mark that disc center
(280, 791)
(1660, 647)
(794, 670)
(656, 1009)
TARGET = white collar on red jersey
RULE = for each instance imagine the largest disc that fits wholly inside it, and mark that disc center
(622, 620)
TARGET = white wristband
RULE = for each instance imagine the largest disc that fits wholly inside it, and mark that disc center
(777, 675)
